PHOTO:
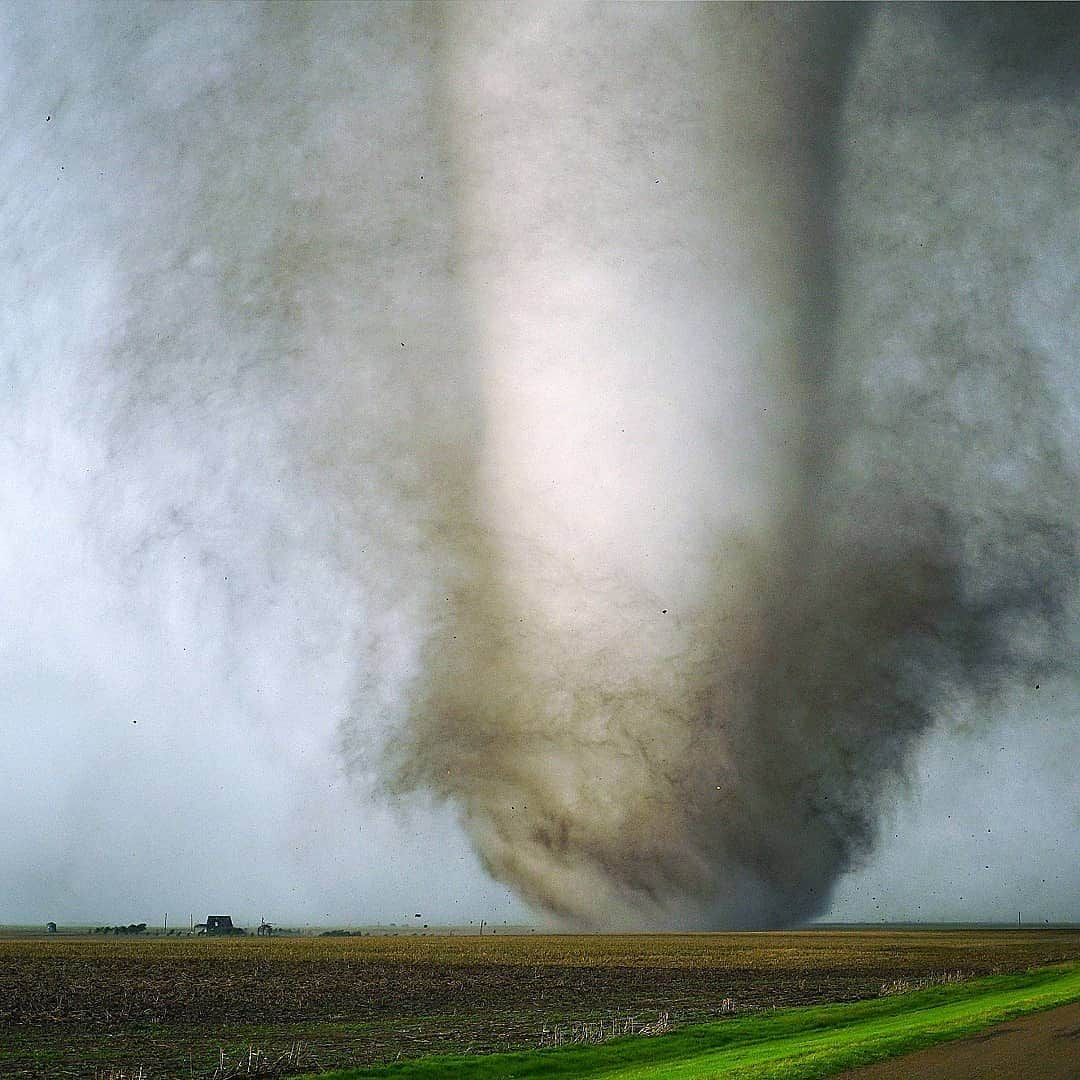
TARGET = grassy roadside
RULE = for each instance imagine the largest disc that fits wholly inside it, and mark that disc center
(781, 1045)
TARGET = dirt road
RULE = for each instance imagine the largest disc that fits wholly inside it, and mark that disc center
(1043, 1046)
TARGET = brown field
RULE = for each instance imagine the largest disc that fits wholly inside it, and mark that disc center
(88, 1007)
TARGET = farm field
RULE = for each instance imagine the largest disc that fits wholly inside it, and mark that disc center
(812, 1042)
(82, 1007)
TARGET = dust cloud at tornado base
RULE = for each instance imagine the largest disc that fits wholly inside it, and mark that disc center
(328, 420)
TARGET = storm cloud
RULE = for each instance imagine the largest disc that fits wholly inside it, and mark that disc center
(637, 428)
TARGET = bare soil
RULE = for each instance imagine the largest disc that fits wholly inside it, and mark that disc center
(1044, 1045)
(85, 1007)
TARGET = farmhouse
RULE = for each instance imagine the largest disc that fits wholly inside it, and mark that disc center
(218, 924)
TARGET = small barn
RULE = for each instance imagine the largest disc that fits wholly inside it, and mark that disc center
(220, 924)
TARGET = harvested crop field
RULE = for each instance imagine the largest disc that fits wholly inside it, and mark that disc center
(85, 1007)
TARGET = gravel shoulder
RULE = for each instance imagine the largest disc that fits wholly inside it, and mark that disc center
(1044, 1045)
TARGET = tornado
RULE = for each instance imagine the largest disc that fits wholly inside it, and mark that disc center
(775, 469)
(634, 428)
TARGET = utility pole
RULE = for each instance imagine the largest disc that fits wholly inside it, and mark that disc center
(165, 923)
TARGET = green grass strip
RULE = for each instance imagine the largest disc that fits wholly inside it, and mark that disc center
(801, 1043)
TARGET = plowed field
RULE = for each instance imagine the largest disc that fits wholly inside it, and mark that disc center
(86, 1007)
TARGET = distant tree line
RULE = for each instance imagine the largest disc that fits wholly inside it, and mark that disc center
(132, 928)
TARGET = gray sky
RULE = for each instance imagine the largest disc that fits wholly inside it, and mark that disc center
(242, 306)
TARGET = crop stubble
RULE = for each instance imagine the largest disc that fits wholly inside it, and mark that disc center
(76, 1007)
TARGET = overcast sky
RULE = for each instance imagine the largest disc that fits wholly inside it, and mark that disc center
(234, 355)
